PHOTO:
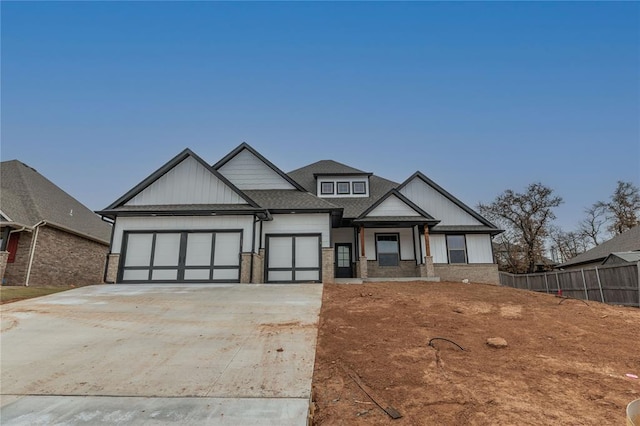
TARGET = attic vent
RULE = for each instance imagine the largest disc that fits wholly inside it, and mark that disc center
(71, 212)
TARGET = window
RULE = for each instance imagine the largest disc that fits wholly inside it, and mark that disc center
(388, 249)
(326, 188)
(457, 249)
(343, 188)
(359, 188)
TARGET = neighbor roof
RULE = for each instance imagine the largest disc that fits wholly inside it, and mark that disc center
(28, 198)
(627, 241)
(627, 256)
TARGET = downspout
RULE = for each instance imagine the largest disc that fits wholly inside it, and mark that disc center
(253, 247)
(32, 252)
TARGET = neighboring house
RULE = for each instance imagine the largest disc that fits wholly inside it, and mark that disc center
(47, 236)
(628, 241)
(245, 220)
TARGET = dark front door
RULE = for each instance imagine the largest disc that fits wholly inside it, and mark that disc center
(343, 260)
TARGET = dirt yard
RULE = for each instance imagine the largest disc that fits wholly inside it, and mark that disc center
(565, 363)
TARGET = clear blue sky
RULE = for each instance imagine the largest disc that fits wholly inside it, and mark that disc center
(480, 97)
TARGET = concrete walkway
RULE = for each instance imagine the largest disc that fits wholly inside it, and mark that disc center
(155, 354)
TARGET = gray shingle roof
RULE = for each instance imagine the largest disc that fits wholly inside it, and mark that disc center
(627, 241)
(288, 199)
(353, 207)
(27, 197)
(627, 256)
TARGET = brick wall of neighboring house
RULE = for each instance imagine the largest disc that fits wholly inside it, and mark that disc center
(406, 268)
(62, 258)
(4, 255)
(474, 272)
(16, 272)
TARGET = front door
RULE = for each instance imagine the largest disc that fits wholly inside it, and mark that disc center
(343, 260)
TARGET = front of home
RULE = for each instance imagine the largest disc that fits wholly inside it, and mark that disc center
(244, 220)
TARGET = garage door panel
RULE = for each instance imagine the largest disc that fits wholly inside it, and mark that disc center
(227, 249)
(307, 275)
(138, 250)
(167, 250)
(307, 252)
(200, 256)
(293, 258)
(199, 249)
(280, 252)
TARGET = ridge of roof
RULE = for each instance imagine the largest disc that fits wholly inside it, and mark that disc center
(165, 168)
(29, 198)
(331, 167)
(448, 195)
(627, 241)
(224, 160)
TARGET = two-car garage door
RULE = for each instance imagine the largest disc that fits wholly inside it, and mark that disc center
(181, 256)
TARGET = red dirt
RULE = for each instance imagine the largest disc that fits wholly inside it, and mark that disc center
(565, 362)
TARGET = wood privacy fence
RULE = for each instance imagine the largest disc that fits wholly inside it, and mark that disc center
(616, 284)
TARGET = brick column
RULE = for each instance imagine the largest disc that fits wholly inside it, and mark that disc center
(112, 268)
(245, 268)
(328, 264)
(363, 271)
(258, 267)
(4, 255)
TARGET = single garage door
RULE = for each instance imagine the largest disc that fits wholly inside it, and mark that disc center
(180, 256)
(293, 258)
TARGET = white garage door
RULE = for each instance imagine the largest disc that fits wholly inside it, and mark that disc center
(181, 256)
(293, 258)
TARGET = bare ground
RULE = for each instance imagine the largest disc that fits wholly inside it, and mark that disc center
(565, 363)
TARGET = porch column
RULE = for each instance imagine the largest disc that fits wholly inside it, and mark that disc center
(362, 261)
(429, 270)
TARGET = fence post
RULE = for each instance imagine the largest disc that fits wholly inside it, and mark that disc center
(638, 267)
(546, 282)
(528, 285)
(584, 283)
(600, 285)
(558, 282)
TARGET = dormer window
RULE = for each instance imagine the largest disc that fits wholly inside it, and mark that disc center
(326, 188)
(344, 188)
(359, 187)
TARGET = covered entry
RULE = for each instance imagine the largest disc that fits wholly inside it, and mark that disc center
(293, 258)
(180, 256)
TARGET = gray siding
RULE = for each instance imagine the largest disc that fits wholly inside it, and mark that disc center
(246, 171)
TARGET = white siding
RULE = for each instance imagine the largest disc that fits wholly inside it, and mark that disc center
(189, 182)
(393, 206)
(345, 235)
(246, 171)
(305, 223)
(479, 248)
(406, 242)
(438, 245)
(436, 204)
(180, 223)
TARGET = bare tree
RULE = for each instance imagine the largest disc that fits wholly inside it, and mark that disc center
(623, 210)
(566, 245)
(591, 227)
(528, 215)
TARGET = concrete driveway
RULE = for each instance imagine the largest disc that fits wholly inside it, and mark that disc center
(151, 354)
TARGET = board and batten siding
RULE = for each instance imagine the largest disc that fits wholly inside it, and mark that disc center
(406, 242)
(436, 204)
(189, 182)
(392, 206)
(479, 248)
(299, 223)
(246, 171)
(181, 223)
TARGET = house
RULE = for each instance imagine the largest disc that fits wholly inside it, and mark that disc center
(628, 241)
(46, 236)
(244, 220)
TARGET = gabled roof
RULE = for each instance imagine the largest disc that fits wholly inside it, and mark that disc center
(28, 198)
(394, 193)
(627, 256)
(448, 195)
(272, 166)
(165, 169)
(627, 241)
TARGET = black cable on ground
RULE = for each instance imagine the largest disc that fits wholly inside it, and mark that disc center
(446, 340)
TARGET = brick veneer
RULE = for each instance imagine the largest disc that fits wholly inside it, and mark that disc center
(60, 258)
(4, 255)
(16, 272)
(474, 272)
(258, 267)
(113, 262)
(328, 272)
(245, 268)
(406, 268)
